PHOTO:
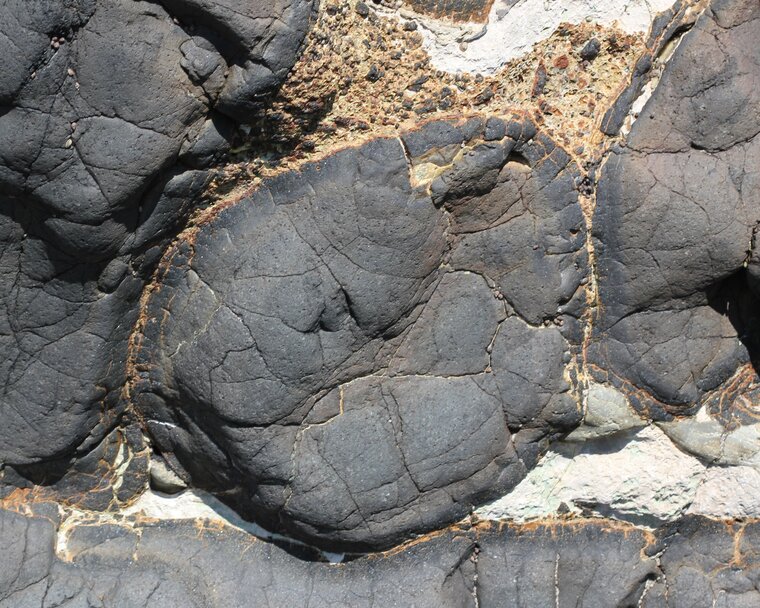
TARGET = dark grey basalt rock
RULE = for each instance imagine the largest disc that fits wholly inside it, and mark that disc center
(675, 221)
(111, 112)
(361, 350)
(178, 564)
(369, 346)
(589, 564)
(593, 563)
(596, 563)
(707, 563)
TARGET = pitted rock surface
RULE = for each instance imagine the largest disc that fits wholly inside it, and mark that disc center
(351, 348)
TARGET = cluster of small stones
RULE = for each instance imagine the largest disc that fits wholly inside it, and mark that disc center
(363, 75)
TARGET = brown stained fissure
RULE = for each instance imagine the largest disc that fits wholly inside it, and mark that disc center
(560, 526)
(736, 401)
(138, 333)
(737, 557)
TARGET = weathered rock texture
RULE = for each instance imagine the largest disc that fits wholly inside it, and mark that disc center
(589, 563)
(386, 307)
(486, 357)
(674, 227)
(109, 112)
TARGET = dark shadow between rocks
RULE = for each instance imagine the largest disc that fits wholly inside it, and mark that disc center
(734, 299)
(278, 134)
(291, 546)
(40, 474)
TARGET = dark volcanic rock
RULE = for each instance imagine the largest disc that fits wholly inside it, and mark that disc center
(359, 351)
(109, 112)
(590, 50)
(367, 347)
(708, 563)
(589, 564)
(178, 564)
(676, 215)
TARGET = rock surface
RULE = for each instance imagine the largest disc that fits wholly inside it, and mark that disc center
(674, 225)
(387, 307)
(590, 563)
(109, 112)
(342, 329)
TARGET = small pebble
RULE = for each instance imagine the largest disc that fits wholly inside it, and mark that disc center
(374, 74)
(417, 84)
(484, 96)
(426, 106)
(539, 80)
(590, 50)
(362, 9)
(561, 62)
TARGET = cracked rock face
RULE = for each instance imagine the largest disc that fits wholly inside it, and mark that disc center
(674, 228)
(351, 348)
(590, 563)
(339, 329)
(109, 112)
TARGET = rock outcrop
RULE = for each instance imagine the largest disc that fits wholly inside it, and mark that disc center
(110, 113)
(495, 347)
(386, 306)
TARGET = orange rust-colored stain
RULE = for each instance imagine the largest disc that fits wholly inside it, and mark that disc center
(557, 527)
